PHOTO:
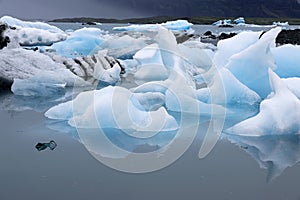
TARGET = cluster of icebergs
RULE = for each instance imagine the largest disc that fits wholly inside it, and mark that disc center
(228, 22)
(247, 71)
(242, 22)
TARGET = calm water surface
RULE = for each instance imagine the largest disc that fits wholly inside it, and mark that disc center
(70, 172)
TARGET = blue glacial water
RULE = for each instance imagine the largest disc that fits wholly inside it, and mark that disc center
(237, 167)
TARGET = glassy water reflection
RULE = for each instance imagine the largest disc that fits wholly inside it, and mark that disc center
(228, 172)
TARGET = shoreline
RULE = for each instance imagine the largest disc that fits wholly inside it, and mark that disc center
(161, 19)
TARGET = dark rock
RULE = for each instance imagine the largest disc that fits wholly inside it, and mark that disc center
(181, 38)
(5, 84)
(225, 26)
(42, 146)
(4, 40)
(288, 37)
(209, 37)
(223, 36)
(90, 23)
(208, 33)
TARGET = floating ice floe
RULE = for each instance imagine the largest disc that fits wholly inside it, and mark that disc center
(178, 25)
(23, 64)
(81, 42)
(32, 33)
(111, 107)
(34, 36)
(240, 21)
(13, 22)
(281, 23)
(279, 113)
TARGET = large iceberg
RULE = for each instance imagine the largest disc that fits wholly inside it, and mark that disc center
(13, 22)
(34, 36)
(279, 113)
(32, 33)
(23, 64)
(111, 107)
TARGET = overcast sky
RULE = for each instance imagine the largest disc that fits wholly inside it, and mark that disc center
(52, 9)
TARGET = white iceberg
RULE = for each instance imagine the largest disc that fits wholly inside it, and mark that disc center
(222, 22)
(235, 92)
(279, 113)
(81, 42)
(178, 25)
(23, 64)
(34, 36)
(240, 21)
(111, 107)
(228, 47)
(251, 65)
(13, 22)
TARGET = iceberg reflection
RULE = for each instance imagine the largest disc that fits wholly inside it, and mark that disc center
(274, 153)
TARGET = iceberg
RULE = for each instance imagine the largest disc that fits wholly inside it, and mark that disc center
(240, 21)
(224, 22)
(251, 65)
(178, 25)
(281, 23)
(279, 113)
(81, 42)
(228, 47)
(23, 64)
(111, 107)
(97, 66)
(235, 92)
(13, 22)
(34, 36)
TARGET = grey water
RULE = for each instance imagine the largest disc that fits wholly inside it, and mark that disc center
(236, 168)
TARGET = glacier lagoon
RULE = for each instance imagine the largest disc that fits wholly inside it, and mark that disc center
(74, 173)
